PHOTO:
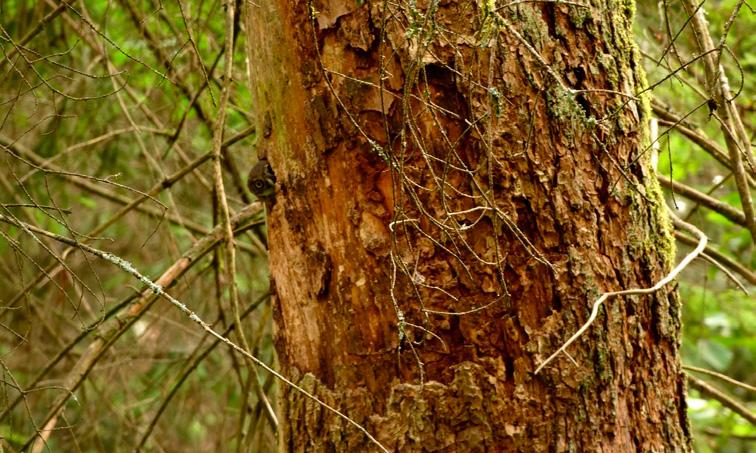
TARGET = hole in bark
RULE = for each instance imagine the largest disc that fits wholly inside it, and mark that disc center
(579, 76)
(509, 364)
(439, 75)
(549, 17)
(525, 217)
(441, 85)
(630, 309)
(636, 169)
(557, 301)
(603, 189)
(584, 104)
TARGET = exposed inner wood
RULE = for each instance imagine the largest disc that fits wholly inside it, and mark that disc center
(506, 192)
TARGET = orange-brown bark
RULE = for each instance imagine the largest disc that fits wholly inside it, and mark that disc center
(429, 163)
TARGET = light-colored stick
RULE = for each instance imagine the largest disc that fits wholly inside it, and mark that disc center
(631, 292)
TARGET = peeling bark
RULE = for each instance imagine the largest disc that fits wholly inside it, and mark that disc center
(427, 162)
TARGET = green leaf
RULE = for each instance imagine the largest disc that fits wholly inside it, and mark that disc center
(714, 354)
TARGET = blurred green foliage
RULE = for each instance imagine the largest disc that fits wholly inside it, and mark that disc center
(719, 321)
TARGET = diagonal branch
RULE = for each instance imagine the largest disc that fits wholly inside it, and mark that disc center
(710, 391)
(701, 198)
(86, 363)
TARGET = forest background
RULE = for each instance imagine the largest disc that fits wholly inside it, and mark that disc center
(108, 116)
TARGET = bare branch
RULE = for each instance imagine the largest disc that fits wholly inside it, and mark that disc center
(632, 292)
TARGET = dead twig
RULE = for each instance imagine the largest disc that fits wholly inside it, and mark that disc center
(702, 240)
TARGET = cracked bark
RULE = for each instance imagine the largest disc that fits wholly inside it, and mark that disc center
(568, 189)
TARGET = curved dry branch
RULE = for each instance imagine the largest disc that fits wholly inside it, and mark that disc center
(702, 240)
(720, 257)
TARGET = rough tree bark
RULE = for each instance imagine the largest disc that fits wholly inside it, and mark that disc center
(456, 185)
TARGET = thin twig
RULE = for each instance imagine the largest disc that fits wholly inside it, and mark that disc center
(721, 376)
(701, 198)
(726, 400)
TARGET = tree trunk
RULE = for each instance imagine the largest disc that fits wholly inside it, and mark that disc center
(456, 185)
